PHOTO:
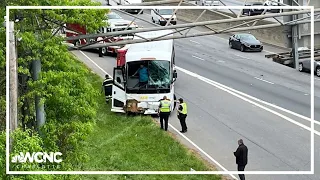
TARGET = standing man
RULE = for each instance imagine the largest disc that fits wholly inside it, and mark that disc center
(241, 157)
(100, 49)
(182, 115)
(143, 75)
(164, 108)
(107, 84)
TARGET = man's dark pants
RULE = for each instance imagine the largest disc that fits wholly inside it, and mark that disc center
(108, 92)
(164, 116)
(241, 168)
(182, 118)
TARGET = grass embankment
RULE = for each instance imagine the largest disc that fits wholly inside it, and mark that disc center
(127, 143)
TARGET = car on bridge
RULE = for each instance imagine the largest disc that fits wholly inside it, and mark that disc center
(117, 23)
(208, 2)
(273, 3)
(253, 11)
(305, 66)
(245, 42)
(161, 16)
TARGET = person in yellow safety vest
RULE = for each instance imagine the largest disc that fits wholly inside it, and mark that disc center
(164, 109)
(182, 115)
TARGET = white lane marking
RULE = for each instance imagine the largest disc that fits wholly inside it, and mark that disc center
(198, 58)
(94, 63)
(211, 82)
(242, 56)
(269, 104)
(196, 146)
(194, 42)
(306, 94)
(202, 151)
(264, 80)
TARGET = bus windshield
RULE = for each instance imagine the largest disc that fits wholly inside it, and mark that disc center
(151, 76)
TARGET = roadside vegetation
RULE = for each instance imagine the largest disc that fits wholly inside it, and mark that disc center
(78, 122)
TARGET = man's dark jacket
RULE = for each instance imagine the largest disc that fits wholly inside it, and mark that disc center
(241, 155)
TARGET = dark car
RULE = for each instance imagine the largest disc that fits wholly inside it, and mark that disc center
(272, 3)
(245, 42)
(253, 11)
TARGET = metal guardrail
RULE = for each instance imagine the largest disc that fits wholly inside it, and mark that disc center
(303, 54)
(286, 58)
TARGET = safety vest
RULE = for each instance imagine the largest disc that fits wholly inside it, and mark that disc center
(165, 106)
(107, 82)
(184, 108)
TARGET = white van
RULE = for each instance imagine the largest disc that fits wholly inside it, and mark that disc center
(165, 15)
(126, 2)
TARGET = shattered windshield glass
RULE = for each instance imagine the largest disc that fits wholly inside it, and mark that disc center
(159, 72)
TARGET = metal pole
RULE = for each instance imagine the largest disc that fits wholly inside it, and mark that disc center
(13, 79)
(40, 117)
(295, 45)
(197, 19)
(173, 13)
(244, 3)
(190, 24)
(190, 35)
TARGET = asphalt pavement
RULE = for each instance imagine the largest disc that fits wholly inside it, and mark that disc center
(218, 118)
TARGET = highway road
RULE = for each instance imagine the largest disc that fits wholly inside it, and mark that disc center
(219, 115)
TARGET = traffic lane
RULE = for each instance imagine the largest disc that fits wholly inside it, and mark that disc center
(275, 94)
(217, 120)
(212, 43)
(223, 114)
(92, 60)
(256, 67)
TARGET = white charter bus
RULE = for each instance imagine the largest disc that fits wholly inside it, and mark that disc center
(159, 59)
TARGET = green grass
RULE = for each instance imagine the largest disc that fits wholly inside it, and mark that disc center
(136, 143)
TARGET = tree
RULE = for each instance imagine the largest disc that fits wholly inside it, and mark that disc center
(64, 86)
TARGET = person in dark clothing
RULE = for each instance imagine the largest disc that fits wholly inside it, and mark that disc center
(182, 115)
(164, 108)
(107, 84)
(241, 157)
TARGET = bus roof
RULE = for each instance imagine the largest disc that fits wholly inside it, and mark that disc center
(159, 50)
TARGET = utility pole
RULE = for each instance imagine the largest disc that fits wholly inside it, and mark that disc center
(295, 44)
(13, 79)
(40, 117)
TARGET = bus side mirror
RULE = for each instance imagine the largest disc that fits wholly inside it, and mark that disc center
(175, 74)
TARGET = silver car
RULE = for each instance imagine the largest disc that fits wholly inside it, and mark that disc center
(305, 65)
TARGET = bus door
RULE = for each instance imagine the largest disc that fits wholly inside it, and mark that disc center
(118, 90)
